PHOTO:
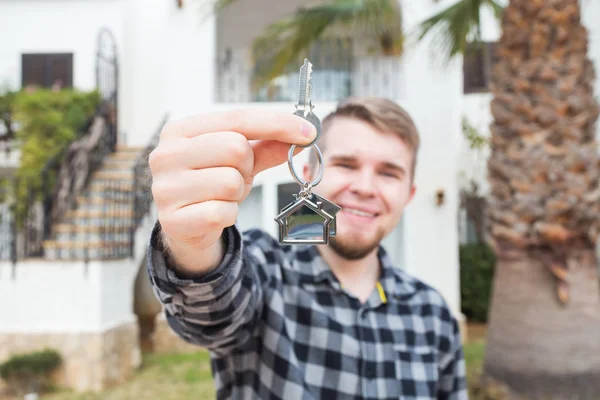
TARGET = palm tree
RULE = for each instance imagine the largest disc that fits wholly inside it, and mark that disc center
(544, 204)
(544, 168)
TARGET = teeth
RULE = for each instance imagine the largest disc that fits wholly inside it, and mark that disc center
(359, 213)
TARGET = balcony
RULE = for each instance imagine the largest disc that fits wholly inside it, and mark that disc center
(361, 75)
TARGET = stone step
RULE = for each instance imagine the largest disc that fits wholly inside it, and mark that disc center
(121, 148)
(97, 198)
(117, 164)
(76, 249)
(101, 221)
(78, 229)
(108, 235)
(105, 205)
(111, 213)
(112, 187)
(114, 175)
(123, 155)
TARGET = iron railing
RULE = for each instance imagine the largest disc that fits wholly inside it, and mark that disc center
(142, 183)
(32, 206)
(361, 75)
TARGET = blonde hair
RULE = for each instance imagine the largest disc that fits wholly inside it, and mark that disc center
(382, 114)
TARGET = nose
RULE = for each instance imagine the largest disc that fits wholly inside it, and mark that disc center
(364, 183)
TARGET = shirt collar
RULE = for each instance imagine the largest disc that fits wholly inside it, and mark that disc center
(314, 269)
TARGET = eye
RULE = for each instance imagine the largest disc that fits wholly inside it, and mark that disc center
(345, 165)
(391, 174)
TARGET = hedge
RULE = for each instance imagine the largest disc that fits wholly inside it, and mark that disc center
(477, 263)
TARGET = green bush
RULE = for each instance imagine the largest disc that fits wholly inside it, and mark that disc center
(7, 101)
(48, 122)
(477, 262)
(28, 372)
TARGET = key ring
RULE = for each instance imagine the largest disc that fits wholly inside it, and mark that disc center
(293, 171)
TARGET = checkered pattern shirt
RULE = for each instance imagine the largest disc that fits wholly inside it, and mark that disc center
(278, 325)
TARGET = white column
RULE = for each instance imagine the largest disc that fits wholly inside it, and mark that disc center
(269, 208)
(191, 59)
(433, 97)
(143, 69)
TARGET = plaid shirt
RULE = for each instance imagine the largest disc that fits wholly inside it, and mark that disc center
(279, 326)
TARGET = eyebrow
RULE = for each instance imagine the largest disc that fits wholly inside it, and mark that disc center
(352, 159)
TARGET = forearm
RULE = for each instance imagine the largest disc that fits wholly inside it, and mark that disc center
(218, 310)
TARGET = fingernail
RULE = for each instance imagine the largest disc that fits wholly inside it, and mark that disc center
(308, 130)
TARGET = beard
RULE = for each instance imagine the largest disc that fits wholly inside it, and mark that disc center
(353, 248)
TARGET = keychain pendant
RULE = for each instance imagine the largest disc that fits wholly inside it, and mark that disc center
(310, 219)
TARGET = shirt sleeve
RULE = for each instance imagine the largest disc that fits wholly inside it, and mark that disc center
(219, 310)
(452, 379)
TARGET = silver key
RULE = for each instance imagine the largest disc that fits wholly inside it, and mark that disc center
(310, 218)
(304, 108)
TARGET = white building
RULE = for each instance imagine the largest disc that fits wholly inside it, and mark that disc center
(180, 60)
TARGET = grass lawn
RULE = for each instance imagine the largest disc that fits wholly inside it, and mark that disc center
(164, 376)
(188, 376)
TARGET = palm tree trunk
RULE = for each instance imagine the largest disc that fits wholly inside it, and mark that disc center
(544, 205)
(535, 345)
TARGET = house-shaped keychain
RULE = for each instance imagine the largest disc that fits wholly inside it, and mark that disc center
(307, 221)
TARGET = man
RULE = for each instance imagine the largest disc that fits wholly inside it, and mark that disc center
(299, 322)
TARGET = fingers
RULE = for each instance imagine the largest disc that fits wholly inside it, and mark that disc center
(254, 124)
(192, 223)
(269, 154)
(189, 187)
(228, 149)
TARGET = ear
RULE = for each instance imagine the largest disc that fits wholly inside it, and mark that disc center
(413, 189)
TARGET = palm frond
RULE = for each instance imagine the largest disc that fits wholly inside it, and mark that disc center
(284, 42)
(454, 27)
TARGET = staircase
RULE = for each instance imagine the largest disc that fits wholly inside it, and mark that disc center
(100, 225)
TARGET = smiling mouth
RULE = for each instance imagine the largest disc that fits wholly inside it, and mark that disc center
(360, 213)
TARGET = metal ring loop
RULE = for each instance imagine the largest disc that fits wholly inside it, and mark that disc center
(293, 171)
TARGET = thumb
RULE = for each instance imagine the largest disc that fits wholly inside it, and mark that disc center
(270, 153)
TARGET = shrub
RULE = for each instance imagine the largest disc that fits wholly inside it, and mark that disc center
(7, 101)
(28, 372)
(48, 121)
(477, 262)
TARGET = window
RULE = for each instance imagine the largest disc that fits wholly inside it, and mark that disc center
(285, 194)
(45, 70)
(477, 66)
(332, 61)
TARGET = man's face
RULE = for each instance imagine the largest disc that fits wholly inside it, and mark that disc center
(367, 173)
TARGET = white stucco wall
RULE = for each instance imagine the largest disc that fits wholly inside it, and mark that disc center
(166, 54)
(65, 296)
(58, 26)
(40, 26)
(58, 296)
(190, 60)
(144, 68)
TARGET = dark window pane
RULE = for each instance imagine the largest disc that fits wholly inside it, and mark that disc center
(60, 67)
(478, 62)
(33, 70)
(474, 69)
(44, 70)
(285, 194)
